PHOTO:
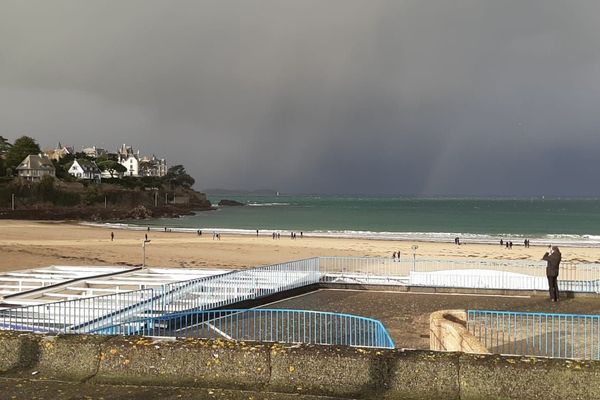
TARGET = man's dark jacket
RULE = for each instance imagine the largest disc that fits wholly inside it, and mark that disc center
(553, 263)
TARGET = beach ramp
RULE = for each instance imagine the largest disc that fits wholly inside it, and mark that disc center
(93, 314)
(214, 292)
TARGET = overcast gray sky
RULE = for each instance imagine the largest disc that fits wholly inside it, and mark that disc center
(415, 97)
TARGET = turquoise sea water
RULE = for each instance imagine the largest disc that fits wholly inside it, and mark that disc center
(479, 220)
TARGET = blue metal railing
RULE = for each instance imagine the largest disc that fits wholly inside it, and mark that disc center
(263, 325)
(206, 293)
(94, 313)
(537, 334)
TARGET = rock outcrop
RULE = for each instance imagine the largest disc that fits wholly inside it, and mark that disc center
(230, 203)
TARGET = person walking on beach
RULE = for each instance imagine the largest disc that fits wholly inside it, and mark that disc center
(501, 242)
(112, 236)
(146, 236)
(394, 256)
(553, 259)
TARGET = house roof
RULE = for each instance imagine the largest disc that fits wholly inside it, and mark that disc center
(87, 165)
(34, 161)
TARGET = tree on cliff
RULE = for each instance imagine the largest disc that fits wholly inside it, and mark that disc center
(106, 157)
(45, 188)
(4, 147)
(112, 167)
(177, 176)
(22, 147)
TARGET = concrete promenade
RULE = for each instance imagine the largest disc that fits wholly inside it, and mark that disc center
(98, 362)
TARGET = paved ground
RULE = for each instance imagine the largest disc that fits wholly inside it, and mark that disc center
(24, 389)
(406, 315)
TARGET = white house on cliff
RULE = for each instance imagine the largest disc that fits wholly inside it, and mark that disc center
(140, 166)
(128, 159)
(36, 166)
(85, 169)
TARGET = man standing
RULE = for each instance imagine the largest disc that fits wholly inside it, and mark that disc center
(553, 259)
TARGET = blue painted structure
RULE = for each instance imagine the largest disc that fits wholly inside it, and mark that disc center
(263, 325)
(537, 334)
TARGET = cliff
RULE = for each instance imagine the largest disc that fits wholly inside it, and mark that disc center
(96, 202)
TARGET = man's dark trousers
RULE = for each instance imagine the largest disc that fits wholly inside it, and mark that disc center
(553, 287)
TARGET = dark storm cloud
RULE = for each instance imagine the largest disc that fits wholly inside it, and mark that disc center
(395, 97)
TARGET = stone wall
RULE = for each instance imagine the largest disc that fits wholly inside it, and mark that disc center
(448, 332)
(336, 371)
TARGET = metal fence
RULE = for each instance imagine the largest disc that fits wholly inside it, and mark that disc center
(263, 325)
(94, 313)
(464, 273)
(537, 334)
(374, 266)
(406, 265)
(232, 287)
(75, 315)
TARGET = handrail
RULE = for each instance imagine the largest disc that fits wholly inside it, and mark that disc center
(82, 315)
(536, 333)
(267, 325)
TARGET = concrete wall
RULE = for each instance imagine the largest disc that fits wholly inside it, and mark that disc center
(317, 370)
(433, 289)
(448, 332)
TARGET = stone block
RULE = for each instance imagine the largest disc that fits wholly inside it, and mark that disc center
(422, 375)
(494, 377)
(69, 357)
(18, 351)
(364, 373)
(184, 362)
(325, 370)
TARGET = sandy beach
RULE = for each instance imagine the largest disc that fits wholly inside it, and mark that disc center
(26, 244)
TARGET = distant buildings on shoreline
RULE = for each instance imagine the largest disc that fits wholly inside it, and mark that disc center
(93, 163)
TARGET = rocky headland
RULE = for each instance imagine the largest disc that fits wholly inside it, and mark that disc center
(103, 202)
